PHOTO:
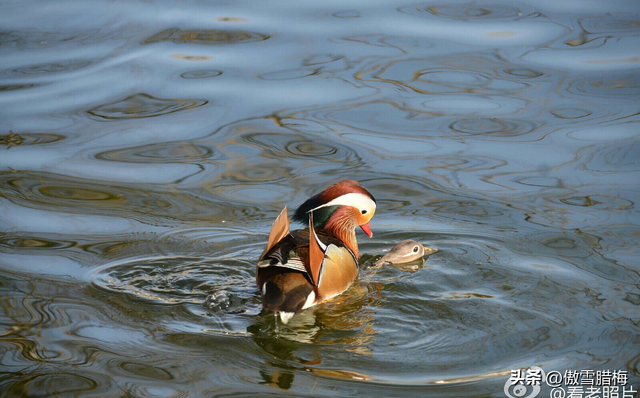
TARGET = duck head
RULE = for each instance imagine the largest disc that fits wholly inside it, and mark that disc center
(404, 252)
(339, 209)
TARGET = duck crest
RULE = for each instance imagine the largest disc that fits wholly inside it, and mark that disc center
(315, 202)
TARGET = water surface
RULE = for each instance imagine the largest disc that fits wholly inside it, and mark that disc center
(147, 146)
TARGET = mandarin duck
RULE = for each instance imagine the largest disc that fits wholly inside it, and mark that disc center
(302, 268)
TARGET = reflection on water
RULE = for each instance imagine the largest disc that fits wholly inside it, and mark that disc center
(204, 36)
(146, 148)
(142, 105)
(13, 139)
(201, 74)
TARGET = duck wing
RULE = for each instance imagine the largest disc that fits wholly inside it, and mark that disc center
(293, 252)
(284, 249)
(279, 230)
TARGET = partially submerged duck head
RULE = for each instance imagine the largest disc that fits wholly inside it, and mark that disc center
(404, 252)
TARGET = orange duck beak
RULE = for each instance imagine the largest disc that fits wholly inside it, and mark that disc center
(367, 229)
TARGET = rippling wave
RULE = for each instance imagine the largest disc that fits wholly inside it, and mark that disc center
(467, 11)
(142, 105)
(170, 152)
(205, 36)
(13, 139)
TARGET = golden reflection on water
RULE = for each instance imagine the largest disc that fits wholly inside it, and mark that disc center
(205, 36)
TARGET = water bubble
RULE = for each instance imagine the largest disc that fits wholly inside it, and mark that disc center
(218, 301)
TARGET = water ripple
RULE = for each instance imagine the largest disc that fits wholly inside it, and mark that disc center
(141, 106)
(62, 66)
(467, 12)
(279, 145)
(175, 280)
(169, 152)
(609, 88)
(144, 203)
(492, 127)
(201, 74)
(205, 36)
(12, 139)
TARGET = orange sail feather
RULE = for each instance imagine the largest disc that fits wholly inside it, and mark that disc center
(279, 230)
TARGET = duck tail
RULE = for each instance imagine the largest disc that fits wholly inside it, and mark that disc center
(285, 293)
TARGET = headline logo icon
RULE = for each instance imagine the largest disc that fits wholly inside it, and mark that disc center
(520, 385)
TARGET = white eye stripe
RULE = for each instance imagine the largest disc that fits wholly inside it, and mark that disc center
(357, 200)
(411, 253)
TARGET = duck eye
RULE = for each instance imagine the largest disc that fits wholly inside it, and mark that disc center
(415, 249)
(363, 211)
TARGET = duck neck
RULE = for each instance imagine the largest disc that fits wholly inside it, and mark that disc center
(342, 225)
